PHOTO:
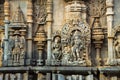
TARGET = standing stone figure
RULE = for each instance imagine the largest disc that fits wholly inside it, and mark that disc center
(117, 46)
(77, 46)
(57, 48)
(16, 49)
(19, 46)
(65, 55)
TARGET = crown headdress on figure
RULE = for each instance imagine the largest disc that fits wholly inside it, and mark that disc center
(76, 33)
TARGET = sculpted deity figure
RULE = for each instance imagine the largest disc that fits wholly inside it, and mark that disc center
(57, 48)
(117, 46)
(19, 46)
(77, 45)
(16, 49)
(66, 55)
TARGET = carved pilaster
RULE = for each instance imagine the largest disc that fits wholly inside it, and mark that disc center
(29, 32)
(49, 28)
(110, 13)
(6, 21)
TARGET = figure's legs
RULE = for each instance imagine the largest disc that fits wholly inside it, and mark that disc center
(74, 56)
(77, 54)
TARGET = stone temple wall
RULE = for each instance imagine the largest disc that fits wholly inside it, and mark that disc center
(59, 40)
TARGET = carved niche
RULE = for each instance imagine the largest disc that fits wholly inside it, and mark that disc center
(17, 42)
(72, 45)
(116, 46)
(56, 53)
(76, 43)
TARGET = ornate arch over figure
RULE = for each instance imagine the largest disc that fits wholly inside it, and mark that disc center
(76, 37)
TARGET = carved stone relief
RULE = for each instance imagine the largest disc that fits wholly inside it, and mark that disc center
(56, 54)
(73, 77)
(116, 46)
(71, 47)
(17, 42)
(17, 46)
(76, 39)
(40, 13)
(97, 8)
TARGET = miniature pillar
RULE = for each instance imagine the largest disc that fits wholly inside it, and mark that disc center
(80, 77)
(19, 76)
(102, 77)
(54, 76)
(25, 76)
(90, 77)
(29, 34)
(12, 76)
(6, 21)
(49, 28)
(114, 78)
(109, 13)
(7, 76)
(48, 76)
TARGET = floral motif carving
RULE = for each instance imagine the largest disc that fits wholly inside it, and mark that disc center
(40, 12)
(96, 7)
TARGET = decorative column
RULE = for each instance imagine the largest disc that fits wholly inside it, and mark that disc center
(109, 13)
(40, 39)
(29, 34)
(98, 37)
(49, 29)
(6, 21)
